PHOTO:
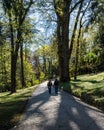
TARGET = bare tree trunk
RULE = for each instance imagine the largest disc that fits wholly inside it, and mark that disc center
(44, 65)
(63, 40)
(14, 57)
(1, 52)
(5, 70)
(63, 11)
(13, 68)
(74, 30)
(49, 65)
(78, 40)
(77, 55)
(12, 10)
(22, 65)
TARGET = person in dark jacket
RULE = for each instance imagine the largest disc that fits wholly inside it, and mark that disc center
(49, 84)
(56, 85)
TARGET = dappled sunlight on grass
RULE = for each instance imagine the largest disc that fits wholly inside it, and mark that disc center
(90, 77)
(11, 106)
(90, 81)
(89, 87)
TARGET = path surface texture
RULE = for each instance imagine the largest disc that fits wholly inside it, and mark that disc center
(59, 112)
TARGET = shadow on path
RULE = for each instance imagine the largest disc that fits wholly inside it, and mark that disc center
(77, 115)
(59, 112)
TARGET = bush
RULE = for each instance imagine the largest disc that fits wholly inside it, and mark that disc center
(76, 92)
(87, 97)
(42, 77)
(66, 87)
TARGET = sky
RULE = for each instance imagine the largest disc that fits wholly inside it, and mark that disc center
(42, 24)
(45, 28)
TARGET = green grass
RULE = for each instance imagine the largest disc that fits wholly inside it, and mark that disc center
(12, 106)
(90, 84)
(88, 87)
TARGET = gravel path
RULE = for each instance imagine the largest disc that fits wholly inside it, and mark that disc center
(59, 112)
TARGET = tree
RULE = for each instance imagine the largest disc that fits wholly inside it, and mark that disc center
(45, 58)
(99, 40)
(17, 10)
(63, 12)
(78, 37)
(96, 20)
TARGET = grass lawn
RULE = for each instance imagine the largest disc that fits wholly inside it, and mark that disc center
(89, 88)
(12, 106)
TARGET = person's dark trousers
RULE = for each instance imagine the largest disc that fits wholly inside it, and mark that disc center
(56, 89)
(49, 89)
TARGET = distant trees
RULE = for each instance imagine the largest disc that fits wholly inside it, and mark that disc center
(99, 39)
(94, 39)
(46, 59)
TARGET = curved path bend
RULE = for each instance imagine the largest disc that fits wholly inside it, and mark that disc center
(59, 112)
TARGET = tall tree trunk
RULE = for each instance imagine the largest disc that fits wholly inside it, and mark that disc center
(22, 65)
(5, 70)
(14, 57)
(78, 40)
(74, 30)
(77, 55)
(13, 68)
(44, 65)
(63, 39)
(49, 65)
(63, 49)
(63, 11)
(1, 70)
(19, 11)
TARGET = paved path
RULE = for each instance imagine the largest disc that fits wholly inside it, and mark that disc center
(59, 112)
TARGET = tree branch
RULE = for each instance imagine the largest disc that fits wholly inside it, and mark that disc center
(74, 6)
(84, 13)
(27, 9)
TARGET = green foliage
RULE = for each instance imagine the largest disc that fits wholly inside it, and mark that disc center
(12, 18)
(98, 40)
(90, 52)
(4, 68)
(66, 87)
(28, 73)
(46, 60)
(42, 76)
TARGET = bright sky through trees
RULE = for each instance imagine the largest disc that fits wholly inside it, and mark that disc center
(43, 29)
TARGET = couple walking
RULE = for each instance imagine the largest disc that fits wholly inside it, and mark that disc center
(55, 85)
